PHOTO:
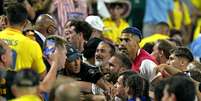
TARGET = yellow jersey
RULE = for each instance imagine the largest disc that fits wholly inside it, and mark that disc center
(26, 52)
(112, 31)
(178, 15)
(197, 4)
(27, 98)
(153, 38)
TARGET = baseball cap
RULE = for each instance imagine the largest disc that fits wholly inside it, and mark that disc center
(133, 30)
(26, 78)
(95, 22)
(72, 53)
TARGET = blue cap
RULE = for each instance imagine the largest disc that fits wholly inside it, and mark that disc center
(133, 30)
(72, 53)
(27, 78)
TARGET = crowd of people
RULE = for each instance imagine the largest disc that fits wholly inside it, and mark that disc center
(100, 50)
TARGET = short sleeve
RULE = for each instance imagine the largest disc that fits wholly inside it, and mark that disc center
(147, 69)
(38, 64)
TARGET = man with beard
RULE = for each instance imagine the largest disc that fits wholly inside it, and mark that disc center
(104, 52)
(143, 62)
(119, 63)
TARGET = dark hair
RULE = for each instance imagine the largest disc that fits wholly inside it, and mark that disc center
(162, 24)
(182, 52)
(177, 42)
(125, 75)
(82, 26)
(182, 87)
(16, 14)
(165, 46)
(90, 47)
(148, 47)
(125, 60)
(138, 85)
(175, 32)
(27, 78)
(158, 89)
(134, 31)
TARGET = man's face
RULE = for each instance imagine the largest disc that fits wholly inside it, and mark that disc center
(74, 66)
(52, 29)
(114, 64)
(174, 61)
(129, 45)
(120, 91)
(102, 54)
(156, 52)
(72, 36)
(115, 11)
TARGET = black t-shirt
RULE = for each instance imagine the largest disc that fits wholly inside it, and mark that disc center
(6, 81)
(87, 73)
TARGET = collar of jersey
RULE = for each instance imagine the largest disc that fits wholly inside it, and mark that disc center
(14, 30)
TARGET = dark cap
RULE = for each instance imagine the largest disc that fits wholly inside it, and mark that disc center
(26, 78)
(90, 47)
(133, 30)
(72, 53)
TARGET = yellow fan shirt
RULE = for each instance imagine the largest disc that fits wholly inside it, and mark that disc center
(26, 52)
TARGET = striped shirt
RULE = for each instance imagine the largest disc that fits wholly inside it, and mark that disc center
(68, 9)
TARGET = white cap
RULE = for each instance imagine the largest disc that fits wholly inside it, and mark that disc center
(95, 22)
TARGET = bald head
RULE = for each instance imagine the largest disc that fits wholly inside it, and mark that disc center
(46, 24)
(70, 91)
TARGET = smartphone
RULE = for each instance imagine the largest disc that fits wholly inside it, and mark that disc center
(49, 47)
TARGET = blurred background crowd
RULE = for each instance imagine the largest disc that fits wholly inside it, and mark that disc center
(100, 50)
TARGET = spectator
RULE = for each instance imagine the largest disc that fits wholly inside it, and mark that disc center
(119, 63)
(25, 3)
(180, 58)
(120, 93)
(89, 51)
(3, 22)
(70, 91)
(143, 62)
(27, 53)
(115, 24)
(67, 10)
(6, 76)
(158, 90)
(59, 81)
(178, 61)
(97, 25)
(179, 89)
(157, 11)
(45, 25)
(161, 51)
(25, 85)
(104, 52)
(137, 88)
(79, 70)
(78, 33)
(161, 32)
